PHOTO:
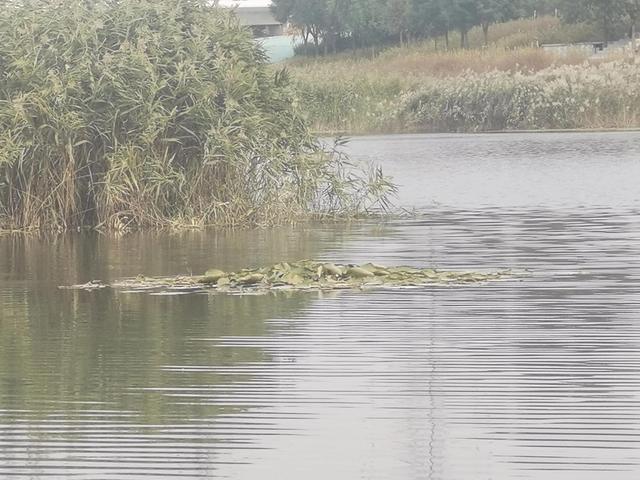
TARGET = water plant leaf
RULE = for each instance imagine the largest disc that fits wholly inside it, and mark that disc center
(212, 276)
(251, 279)
(359, 272)
(293, 279)
(332, 269)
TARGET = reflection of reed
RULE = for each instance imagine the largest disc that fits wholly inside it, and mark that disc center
(57, 260)
(91, 347)
(58, 347)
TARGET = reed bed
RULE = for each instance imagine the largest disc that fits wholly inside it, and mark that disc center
(566, 97)
(122, 114)
(545, 92)
(362, 96)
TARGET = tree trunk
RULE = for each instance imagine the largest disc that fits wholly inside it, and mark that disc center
(633, 42)
(605, 29)
(316, 41)
(446, 40)
(464, 39)
(485, 32)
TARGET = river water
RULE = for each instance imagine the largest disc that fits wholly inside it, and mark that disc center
(536, 377)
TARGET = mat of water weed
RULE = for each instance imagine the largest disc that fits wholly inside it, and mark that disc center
(302, 275)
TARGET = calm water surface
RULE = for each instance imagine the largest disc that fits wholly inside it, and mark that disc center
(534, 378)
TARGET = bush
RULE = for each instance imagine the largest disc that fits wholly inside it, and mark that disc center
(566, 97)
(129, 113)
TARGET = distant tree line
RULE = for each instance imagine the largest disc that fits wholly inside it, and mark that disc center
(333, 24)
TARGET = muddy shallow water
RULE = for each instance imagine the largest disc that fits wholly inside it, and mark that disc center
(535, 377)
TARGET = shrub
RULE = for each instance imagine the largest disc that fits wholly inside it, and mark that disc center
(475, 90)
(583, 96)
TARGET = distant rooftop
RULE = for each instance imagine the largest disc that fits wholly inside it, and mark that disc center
(245, 3)
(255, 14)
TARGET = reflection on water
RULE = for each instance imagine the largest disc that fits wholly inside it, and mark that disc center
(535, 377)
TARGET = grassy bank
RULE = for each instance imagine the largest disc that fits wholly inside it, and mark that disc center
(567, 97)
(507, 85)
(134, 113)
(582, 95)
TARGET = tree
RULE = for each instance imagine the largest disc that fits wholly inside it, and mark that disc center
(493, 11)
(398, 14)
(632, 10)
(463, 15)
(361, 23)
(605, 12)
(426, 19)
(309, 16)
(367, 22)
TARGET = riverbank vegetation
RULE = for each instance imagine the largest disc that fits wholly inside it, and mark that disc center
(133, 113)
(374, 66)
(506, 85)
(560, 96)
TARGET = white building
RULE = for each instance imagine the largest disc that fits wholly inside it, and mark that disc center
(255, 14)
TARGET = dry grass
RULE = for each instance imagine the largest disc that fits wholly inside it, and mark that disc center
(412, 65)
(513, 47)
(531, 33)
(515, 34)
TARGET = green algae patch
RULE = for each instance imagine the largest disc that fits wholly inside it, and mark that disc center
(303, 275)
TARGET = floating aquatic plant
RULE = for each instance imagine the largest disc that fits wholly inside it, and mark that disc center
(303, 275)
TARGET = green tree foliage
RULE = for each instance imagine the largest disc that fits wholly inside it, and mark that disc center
(398, 17)
(609, 14)
(309, 16)
(632, 10)
(358, 23)
(488, 12)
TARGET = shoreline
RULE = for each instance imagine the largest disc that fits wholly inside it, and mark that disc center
(330, 134)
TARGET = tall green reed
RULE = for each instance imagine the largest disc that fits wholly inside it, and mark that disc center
(129, 113)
